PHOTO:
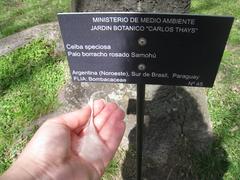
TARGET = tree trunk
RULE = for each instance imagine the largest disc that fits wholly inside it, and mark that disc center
(76, 5)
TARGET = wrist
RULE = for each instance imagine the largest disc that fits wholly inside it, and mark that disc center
(24, 170)
(72, 171)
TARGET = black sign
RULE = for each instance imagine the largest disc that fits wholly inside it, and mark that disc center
(167, 49)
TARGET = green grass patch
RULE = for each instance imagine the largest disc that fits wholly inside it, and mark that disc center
(224, 107)
(219, 7)
(223, 160)
(27, 95)
(16, 15)
(23, 62)
(112, 169)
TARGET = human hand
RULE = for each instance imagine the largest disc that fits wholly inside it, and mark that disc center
(53, 152)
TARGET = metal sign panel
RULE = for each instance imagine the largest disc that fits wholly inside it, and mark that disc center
(167, 49)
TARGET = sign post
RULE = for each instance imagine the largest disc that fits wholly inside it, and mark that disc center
(140, 121)
(144, 48)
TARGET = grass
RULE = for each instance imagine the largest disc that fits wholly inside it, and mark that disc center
(218, 7)
(114, 166)
(223, 161)
(31, 77)
(16, 15)
(23, 62)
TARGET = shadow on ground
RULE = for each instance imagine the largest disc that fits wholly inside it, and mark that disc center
(177, 141)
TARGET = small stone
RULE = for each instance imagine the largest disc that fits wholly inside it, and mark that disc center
(236, 128)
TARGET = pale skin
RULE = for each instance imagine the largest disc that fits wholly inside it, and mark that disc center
(52, 153)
